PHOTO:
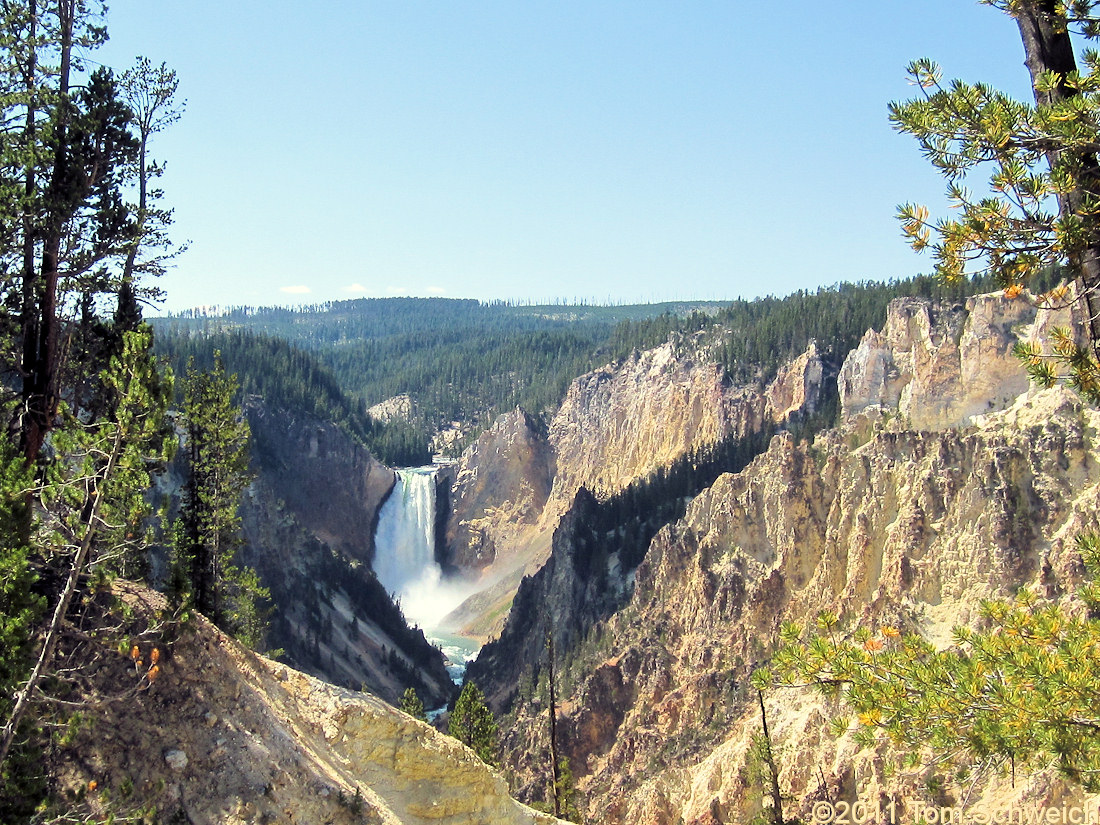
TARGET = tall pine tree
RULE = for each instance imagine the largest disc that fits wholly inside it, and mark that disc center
(208, 532)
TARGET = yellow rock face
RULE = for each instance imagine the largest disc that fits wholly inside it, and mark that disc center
(616, 425)
(882, 525)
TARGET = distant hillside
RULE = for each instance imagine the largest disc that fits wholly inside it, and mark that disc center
(293, 380)
(380, 317)
(459, 360)
(468, 361)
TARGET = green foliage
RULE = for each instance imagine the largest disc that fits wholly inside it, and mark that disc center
(459, 360)
(472, 723)
(136, 393)
(91, 503)
(19, 606)
(208, 534)
(759, 774)
(1080, 368)
(83, 398)
(1041, 212)
(295, 381)
(1036, 157)
(565, 790)
(411, 704)
(20, 610)
(1019, 691)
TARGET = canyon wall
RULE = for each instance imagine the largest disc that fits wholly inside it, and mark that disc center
(920, 504)
(616, 426)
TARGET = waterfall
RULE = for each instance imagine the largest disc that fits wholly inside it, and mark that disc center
(404, 551)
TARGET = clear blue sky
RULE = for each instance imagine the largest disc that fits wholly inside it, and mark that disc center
(626, 151)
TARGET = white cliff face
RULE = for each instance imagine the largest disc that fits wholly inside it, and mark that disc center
(939, 368)
(398, 408)
(797, 385)
(498, 488)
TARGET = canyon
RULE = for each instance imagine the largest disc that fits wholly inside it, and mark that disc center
(660, 526)
(936, 490)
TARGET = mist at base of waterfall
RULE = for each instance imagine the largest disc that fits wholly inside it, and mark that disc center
(427, 600)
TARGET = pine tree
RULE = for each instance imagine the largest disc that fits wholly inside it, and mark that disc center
(472, 723)
(1018, 692)
(94, 498)
(565, 790)
(150, 94)
(1041, 212)
(208, 533)
(65, 153)
(411, 704)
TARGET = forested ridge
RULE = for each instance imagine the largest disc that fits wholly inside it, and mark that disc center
(467, 361)
(283, 377)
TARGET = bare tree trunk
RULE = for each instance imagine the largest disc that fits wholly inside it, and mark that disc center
(773, 770)
(555, 770)
(1048, 47)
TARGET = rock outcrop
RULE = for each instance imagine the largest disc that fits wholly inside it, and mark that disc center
(225, 737)
(332, 485)
(797, 386)
(898, 516)
(397, 408)
(624, 421)
(939, 366)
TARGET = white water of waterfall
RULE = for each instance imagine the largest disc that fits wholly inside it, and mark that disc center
(404, 552)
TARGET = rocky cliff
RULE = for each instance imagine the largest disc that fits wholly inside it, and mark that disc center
(498, 488)
(625, 421)
(939, 366)
(616, 427)
(877, 520)
(220, 736)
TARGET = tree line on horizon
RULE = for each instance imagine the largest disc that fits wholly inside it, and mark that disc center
(462, 360)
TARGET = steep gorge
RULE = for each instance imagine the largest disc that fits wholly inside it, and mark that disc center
(936, 490)
(308, 521)
(616, 427)
(920, 504)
